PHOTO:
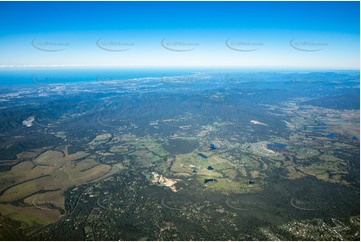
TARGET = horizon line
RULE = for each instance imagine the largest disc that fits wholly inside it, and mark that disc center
(182, 67)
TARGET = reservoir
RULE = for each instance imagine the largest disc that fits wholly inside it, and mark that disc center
(330, 135)
(210, 180)
(276, 146)
(202, 155)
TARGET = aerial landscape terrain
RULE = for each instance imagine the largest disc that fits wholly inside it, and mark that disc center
(215, 154)
(180, 121)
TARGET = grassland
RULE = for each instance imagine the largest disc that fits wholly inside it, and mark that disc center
(40, 184)
(230, 177)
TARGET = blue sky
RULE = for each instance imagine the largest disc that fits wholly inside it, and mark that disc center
(313, 35)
